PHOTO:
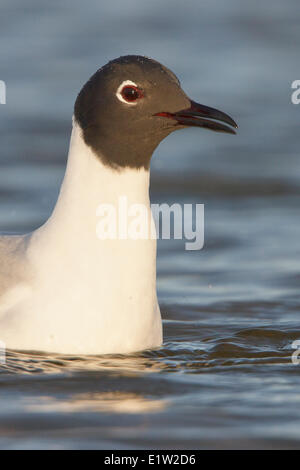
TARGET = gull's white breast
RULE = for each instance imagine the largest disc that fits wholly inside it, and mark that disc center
(75, 293)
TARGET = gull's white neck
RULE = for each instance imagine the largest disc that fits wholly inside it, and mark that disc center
(91, 295)
(88, 183)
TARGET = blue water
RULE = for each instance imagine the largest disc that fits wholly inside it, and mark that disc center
(224, 377)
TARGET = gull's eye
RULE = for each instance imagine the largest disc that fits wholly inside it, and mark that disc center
(128, 92)
(131, 93)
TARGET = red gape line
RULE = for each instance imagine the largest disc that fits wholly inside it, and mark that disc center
(167, 115)
(173, 116)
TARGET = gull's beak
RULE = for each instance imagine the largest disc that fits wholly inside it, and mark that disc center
(199, 115)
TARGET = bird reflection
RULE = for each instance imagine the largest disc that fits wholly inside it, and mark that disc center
(112, 402)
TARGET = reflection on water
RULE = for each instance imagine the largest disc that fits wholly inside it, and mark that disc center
(224, 377)
(107, 402)
(35, 362)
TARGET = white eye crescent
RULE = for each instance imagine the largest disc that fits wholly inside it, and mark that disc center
(128, 92)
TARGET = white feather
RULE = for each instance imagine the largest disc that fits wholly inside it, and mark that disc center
(79, 294)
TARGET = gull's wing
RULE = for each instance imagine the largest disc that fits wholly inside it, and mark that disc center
(13, 262)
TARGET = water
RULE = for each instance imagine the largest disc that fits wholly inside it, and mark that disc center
(224, 377)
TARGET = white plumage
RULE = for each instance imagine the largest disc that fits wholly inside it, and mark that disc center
(64, 290)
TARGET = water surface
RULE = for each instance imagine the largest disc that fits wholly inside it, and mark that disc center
(224, 377)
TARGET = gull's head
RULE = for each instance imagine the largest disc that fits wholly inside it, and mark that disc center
(131, 104)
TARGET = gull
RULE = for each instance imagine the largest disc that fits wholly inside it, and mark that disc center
(62, 288)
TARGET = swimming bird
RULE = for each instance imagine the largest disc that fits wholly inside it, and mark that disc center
(62, 288)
